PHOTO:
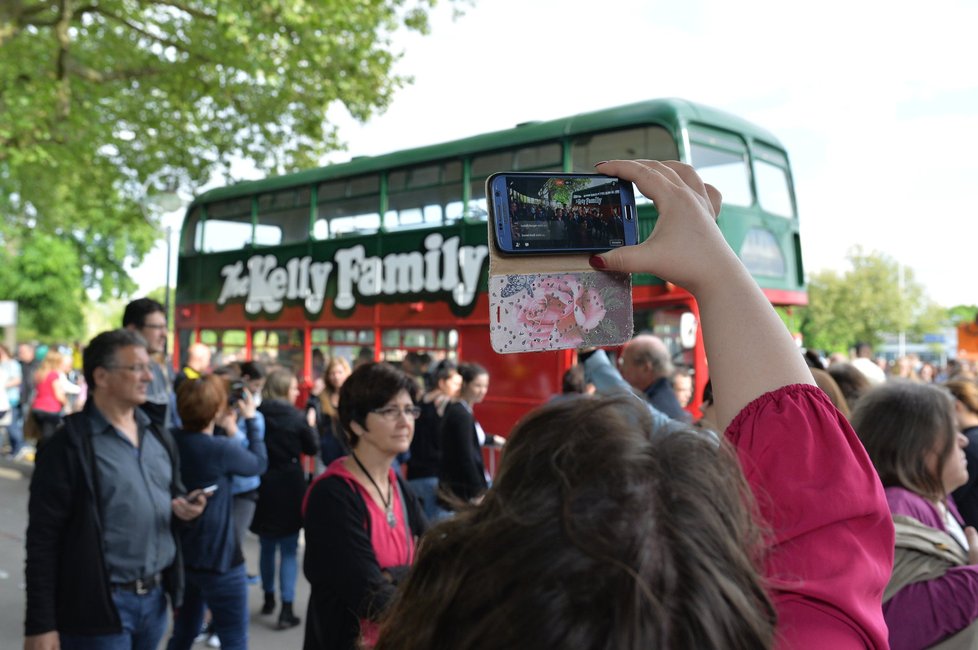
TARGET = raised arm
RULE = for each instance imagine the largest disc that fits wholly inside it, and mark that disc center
(749, 349)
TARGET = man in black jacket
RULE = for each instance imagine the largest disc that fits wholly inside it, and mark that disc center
(105, 499)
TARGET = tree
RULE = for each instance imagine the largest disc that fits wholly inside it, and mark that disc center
(865, 302)
(46, 280)
(963, 314)
(100, 99)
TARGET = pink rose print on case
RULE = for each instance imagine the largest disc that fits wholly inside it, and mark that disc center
(559, 311)
(560, 307)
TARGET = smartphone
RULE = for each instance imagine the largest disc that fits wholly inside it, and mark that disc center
(236, 392)
(204, 491)
(549, 212)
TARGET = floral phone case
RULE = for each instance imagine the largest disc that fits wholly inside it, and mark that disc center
(556, 311)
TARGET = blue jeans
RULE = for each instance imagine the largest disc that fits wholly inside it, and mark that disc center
(15, 432)
(289, 569)
(143, 624)
(226, 595)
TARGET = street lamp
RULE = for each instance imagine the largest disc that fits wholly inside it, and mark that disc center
(163, 203)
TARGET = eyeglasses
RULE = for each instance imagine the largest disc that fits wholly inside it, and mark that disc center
(392, 413)
(138, 368)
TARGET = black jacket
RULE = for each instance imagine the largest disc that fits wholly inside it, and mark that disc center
(345, 578)
(287, 435)
(67, 581)
(461, 471)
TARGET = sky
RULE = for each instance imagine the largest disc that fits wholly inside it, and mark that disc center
(875, 102)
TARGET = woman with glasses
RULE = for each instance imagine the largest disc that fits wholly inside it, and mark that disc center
(361, 519)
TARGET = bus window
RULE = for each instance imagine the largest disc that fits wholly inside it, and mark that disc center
(348, 217)
(347, 207)
(338, 343)
(647, 142)
(541, 157)
(283, 217)
(226, 226)
(454, 211)
(720, 158)
(761, 253)
(773, 185)
(544, 157)
(395, 343)
(226, 345)
(192, 230)
(416, 197)
(278, 346)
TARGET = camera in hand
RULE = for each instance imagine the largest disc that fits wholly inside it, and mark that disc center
(236, 393)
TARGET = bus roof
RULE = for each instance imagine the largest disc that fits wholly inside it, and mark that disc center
(668, 112)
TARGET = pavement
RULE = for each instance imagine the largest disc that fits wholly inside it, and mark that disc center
(14, 484)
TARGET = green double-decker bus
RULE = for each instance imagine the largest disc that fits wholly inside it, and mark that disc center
(387, 254)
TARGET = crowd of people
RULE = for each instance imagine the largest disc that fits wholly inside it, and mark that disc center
(580, 225)
(811, 503)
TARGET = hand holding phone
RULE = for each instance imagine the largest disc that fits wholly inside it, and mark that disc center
(206, 492)
(537, 213)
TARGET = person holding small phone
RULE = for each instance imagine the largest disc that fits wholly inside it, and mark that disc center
(106, 506)
(601, 532)
(215, 566)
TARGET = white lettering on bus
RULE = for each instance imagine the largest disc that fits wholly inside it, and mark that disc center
(470, 259)
(267, 284)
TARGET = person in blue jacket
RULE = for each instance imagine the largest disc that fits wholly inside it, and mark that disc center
(214, 564)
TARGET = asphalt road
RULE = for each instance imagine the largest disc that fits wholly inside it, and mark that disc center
(14, 483)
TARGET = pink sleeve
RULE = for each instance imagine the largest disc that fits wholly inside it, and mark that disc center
(830, 552)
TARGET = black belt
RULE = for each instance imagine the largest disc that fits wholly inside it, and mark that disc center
(139, 587)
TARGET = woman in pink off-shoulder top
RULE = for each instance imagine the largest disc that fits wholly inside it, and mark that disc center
(603, 531)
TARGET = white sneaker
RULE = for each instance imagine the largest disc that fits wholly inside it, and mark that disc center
(213, 641)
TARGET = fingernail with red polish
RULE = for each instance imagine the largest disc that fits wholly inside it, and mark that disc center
(597, 262)
(600, 163)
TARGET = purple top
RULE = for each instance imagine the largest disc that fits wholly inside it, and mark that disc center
(924, 613)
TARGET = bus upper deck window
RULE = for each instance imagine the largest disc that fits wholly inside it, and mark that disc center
(720, 158)
(773, 184)
(227, 225)
(648, 142)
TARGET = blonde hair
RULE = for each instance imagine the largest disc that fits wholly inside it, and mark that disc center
(52, 361)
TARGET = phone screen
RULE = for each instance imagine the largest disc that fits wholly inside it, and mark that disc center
(546, 213)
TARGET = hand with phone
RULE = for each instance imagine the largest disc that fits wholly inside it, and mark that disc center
(192, 505)
(201, 495)
(554, 213)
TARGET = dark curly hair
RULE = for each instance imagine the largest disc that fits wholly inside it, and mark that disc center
(595, 534)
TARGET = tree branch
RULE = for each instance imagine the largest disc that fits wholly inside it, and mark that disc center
(63, 38)
(139, 30)
(82, 71)
(196, 13)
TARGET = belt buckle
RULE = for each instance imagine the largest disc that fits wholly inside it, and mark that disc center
(141, 587)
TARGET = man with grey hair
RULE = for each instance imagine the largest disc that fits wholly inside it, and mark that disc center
(105, 501)
(645, 363)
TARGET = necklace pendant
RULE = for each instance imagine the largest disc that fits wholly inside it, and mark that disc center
(391, 520)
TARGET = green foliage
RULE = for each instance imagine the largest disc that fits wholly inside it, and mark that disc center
(45, 280)
(865, 302)
(99, 99)
(963, 314)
